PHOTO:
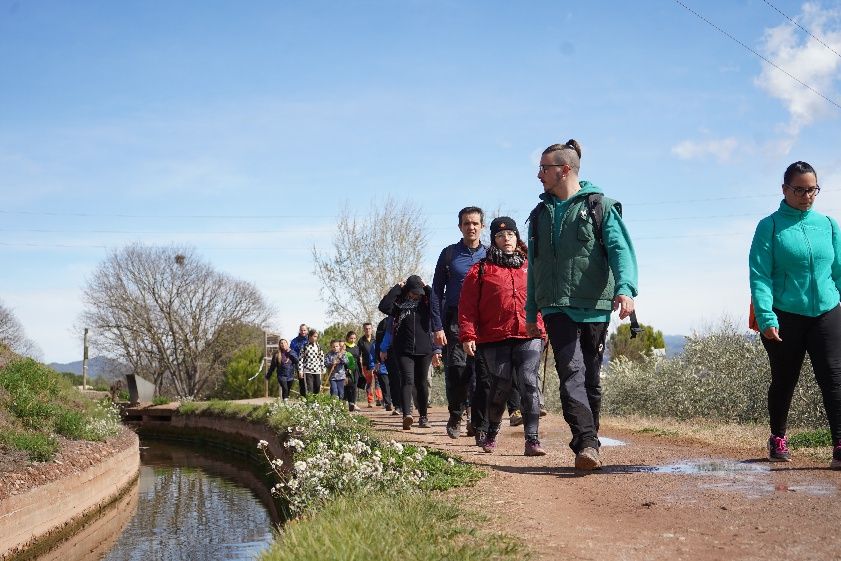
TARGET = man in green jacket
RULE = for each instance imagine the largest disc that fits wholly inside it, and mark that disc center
(576, 278)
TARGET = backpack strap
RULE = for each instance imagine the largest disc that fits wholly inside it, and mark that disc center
(595, 208)
(532, 221)
(449, 254)
(481, 273)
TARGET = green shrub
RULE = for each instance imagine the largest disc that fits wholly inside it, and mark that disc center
(68, 423)
(41, 404)
(811, 439)
(40, 447)
(244, 364)
(160, 400)
(722, 375)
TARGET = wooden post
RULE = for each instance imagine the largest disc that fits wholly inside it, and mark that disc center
(85, 362)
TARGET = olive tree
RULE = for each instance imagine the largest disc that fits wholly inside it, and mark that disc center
(370, 254)
(635, 348)
(170, 315)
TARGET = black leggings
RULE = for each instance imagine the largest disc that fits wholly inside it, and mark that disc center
(414, 370)
(284, 388)
(821, 338)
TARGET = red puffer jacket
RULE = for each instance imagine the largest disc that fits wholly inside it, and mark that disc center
(501, 313)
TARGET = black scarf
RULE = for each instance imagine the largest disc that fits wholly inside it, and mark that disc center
(508, 260)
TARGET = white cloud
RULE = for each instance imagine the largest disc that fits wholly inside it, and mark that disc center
(808, 60)
(721, 149)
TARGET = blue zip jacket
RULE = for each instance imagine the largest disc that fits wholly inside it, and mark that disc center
(795, 265)
(285, 368)
(448, 278)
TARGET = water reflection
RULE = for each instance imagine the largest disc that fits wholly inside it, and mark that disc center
(195, 505)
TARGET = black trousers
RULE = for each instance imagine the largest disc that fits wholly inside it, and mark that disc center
(314, 381)
(284, 388)
(459, 369)
(395, 380)
(579, 349)
(414, 370)
(383, 381)
(302, 385)
(821, 338)
(350, 387)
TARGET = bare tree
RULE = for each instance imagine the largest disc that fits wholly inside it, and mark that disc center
(169, 315)
(12, 335)
(370, 254)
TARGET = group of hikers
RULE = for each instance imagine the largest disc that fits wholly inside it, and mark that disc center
(491, 311)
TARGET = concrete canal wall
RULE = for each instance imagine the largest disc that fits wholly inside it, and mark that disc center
(33, 521)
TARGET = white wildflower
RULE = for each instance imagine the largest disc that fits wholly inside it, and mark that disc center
(262, 445)
(347, 459)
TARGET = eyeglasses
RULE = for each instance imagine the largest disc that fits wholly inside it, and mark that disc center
(542, 167)
(799, 191)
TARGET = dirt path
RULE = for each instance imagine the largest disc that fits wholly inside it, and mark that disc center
(656, 498)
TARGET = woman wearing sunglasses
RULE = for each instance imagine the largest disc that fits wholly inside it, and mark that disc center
(795, 278)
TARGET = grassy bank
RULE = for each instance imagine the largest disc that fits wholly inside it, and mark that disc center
(407, 526)
(353, 495)
(38, 406)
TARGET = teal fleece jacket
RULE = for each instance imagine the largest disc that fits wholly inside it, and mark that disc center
(622, 259)
(795, 265)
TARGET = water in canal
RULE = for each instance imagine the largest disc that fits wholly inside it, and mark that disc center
(188, 504)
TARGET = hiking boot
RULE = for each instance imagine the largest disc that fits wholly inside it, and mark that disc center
(543, 412)
(471, 430)
(836, 457)
(778, 449)
(454, 426)
(351, 407)
(388, 407)
(489, 444)
(515, 419)
(407, 422)
(533, 448)
(588, 459)
(480, 437)
(423, 422)
(395, 412)
(371, 404)
(379, 403)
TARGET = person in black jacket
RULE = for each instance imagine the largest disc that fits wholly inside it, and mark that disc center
(408, 305)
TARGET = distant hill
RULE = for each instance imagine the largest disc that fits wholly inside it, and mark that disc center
(98, 366)
(674, 344)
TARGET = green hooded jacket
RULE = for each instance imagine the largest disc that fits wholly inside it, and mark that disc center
(568, 269)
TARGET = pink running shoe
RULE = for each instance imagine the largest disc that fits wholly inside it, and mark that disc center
(778, 449)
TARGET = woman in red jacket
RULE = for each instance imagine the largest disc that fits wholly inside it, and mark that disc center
(492, 323)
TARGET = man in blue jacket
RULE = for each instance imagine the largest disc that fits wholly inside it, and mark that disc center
(450, 270)
(296, 345)
(577, 275)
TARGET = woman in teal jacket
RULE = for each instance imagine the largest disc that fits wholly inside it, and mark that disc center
(795, 281)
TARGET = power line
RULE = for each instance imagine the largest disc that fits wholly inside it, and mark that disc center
(775, 65)
(333, 216)
(789, 18)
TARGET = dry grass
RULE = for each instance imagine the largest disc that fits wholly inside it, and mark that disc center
(704, 431)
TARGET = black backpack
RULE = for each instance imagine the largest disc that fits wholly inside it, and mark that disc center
(595, 209)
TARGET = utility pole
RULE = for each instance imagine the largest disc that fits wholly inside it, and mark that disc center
(85, 363)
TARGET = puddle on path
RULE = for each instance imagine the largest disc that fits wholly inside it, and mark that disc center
(751, 479)
(611, 441)
(712, 467)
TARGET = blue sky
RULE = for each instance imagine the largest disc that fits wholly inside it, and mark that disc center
(243, 128)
